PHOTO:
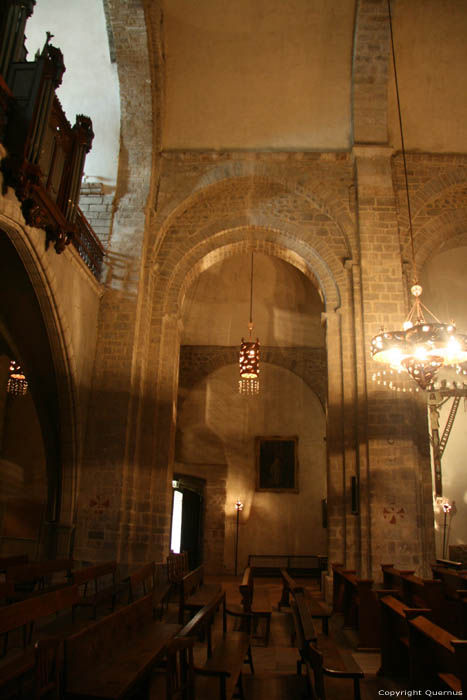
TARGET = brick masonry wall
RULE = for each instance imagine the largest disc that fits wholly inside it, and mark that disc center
(97, 207)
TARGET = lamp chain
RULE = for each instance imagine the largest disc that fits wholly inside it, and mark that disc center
(406, 179)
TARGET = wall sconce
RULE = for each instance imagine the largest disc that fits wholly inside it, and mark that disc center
(447, 507)
(238, 508)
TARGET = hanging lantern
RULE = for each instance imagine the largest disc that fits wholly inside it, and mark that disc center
(249, 367)
(17, 383)
(249, 354)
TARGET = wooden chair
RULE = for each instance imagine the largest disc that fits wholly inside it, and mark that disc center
(315, 661)
(47, 669)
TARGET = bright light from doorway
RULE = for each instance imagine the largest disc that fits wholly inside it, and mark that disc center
(176, 522)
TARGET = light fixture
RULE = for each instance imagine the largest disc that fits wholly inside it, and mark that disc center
(422, 346)
(249, 354)
(17, 384)
(238, 508)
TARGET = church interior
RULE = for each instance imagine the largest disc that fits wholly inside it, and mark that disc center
(189, 185)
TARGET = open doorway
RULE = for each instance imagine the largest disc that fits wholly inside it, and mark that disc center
(187, 518)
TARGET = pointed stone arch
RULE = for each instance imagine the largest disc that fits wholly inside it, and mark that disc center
(64, 463)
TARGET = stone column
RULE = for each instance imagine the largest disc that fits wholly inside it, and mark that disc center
(396, 435)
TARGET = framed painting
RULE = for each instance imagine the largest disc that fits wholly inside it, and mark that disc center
(277, 463)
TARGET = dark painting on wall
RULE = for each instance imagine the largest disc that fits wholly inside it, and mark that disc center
(276, 463)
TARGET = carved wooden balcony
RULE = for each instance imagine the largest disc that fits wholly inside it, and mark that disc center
(45, 155)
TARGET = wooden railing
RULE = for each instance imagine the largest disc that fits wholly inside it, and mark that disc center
(87, 244)
(45, 154)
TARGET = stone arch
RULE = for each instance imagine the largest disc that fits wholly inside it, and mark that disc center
(44, 285)
(435, 187)
(443, 232)
(297, 360)
(229, 242)
(232, 174)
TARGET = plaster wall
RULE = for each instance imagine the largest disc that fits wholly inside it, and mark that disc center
(258, 75)
(216, 425)
(431, 55)
(286, 307)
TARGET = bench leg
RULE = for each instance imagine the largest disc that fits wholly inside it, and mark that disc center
(240, 687)
(356, 688)
(325, 626)
(250, 659)
(268, 629)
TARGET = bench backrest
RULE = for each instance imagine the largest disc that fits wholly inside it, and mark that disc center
(192, 580)
(14, 560)
(177, 566)
(421, 593)
(246, 589)
(453, 581)
(94, 573)
(204, 617)
(143, 578)
(37, 570)
(27, 611)
(97, 640)
(433, 651)
(303, 605)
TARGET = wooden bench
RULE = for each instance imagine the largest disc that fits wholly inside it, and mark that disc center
(113, 657)
(220, 675)
(24, 615)
(177, 567)
(454, 581)
(37, 577)
(194, 593)
(306, 565)
(311, 657)
(13, 560)
(256, 601)
(393, 579)
(319, 609)
(437, 660)
(395, 635)
(358, 601)
(101, 578)
(151, 578)
(446, 611)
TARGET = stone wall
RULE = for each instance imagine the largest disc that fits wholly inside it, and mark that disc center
(97, 207)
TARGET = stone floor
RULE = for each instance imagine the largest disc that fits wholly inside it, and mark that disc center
(276, 665)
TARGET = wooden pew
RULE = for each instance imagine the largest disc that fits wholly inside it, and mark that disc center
(392, 579)
(113, 657)
(395, 635)
(194, 593)
(358, 601)
(101, 578)
(13, 560)
(437, 660)
(35, 578)
(220, 675)
(446, 611)
(177, 567)
(256, 601)
(319, 609)
(311, 657)
(454, 581)
(25, 614)
(151, 578)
